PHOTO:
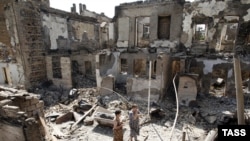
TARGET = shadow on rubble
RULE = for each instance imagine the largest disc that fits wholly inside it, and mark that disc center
(104, 130)
(50, 93)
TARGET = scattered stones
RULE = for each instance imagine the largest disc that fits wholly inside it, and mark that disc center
(88, 121)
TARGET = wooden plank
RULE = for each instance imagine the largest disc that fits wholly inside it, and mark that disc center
(86, 114)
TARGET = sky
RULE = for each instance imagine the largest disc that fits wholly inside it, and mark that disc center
(98, 6)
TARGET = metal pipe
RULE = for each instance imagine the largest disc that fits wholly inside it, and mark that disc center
(177, 108)
(149, 85)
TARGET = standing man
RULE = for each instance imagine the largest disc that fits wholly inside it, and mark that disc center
(134, 122)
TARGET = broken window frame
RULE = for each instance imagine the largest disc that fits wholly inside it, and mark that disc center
(124, 66)
(195, 32)
(160, 33)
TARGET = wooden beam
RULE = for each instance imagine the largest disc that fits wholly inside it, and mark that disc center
(80, 119)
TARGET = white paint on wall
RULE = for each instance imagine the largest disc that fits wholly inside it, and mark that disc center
(57, 27)
(14, 72)
(164, 43)
(115, 68)
(212, 8)
(247, 17)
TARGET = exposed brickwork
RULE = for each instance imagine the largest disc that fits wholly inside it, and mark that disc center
(28, 22)
(3, 29)
(22, 109)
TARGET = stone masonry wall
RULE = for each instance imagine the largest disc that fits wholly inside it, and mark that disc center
(30, 47)
(20, 112)
(3, 39)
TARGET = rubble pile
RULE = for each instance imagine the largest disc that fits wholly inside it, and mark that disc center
(82, 81)
(21, 113)
(81, 120)
(87, 115)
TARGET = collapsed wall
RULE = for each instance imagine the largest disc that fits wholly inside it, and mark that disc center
(21, 115)
(212, 25)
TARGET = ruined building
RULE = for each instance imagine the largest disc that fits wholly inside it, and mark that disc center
(43, 43)
(156, 38)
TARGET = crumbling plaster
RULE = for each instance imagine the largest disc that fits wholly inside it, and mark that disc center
(16, 69)
(57, 27)
(153, 11)
(247, 17)
(14, 74)
(115, 67)
(208, 9)
(207, 68)
(14, 38)
(137, 85)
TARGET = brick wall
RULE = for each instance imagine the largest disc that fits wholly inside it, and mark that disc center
(30, 105)
(6, 38)
(21, 110)
(66, 74)
(31, 48)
